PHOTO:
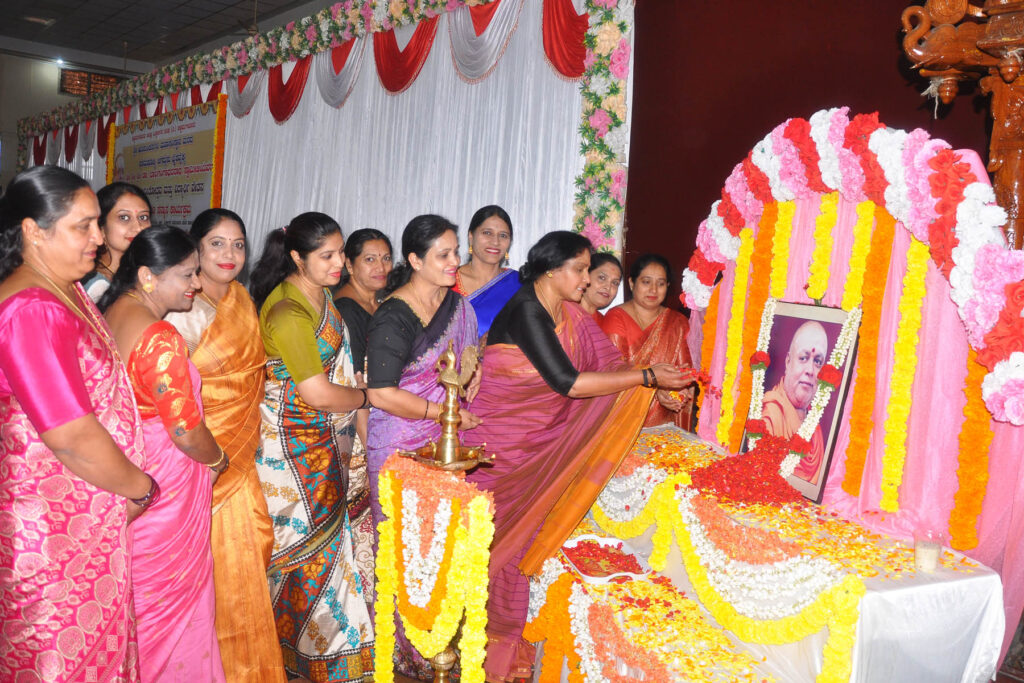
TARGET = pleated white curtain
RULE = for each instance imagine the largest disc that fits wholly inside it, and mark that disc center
(443, 146)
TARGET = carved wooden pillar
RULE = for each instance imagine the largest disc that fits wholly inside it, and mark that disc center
(953, 41)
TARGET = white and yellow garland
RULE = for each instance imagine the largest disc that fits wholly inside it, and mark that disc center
(463, 579)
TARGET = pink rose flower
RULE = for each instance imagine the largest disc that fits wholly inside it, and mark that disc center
(289, 27)
(589, 59)
(367, 11)
(607, 4)
(311, 33)
(620, 60)
(618, 185)
(243, 56)
(600, 121)
(336, 11)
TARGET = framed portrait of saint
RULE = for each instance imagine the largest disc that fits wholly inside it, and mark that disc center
(802, 340)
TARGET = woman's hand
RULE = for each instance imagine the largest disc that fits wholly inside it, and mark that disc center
(474, 384)
(664, 397)
(469, 420)
(360, 381)
(134, 511)
(669, 377)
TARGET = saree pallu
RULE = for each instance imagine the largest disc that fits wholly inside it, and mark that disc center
(554, 455)
(172, 565)
(322, 619)
(492, 297)
(65, 581)
(664, 341)
(231, 361)
(455, 322)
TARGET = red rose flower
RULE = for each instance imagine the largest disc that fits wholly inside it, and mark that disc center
(759, 358)
(757, 427)
(830, 375)
(799, 445)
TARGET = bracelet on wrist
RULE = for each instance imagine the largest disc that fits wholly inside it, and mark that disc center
(426, 410)
(221, 464)
(366, 399)
(646, 382)
(654, 378)
(152, 495)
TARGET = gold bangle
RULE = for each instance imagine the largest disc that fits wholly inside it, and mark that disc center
(426, 410)
(221, 464)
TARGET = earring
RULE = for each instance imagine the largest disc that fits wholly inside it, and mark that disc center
(35, 243)
(471, 250)
(506, 258)
(549, 274)
(147, 287)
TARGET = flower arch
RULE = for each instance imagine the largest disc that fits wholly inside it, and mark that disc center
(924, 185)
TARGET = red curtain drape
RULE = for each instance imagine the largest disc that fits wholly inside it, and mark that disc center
(174, 99)
(197, 93)
(142, 111)
(482, 14)
(70, 142)
(103, 134)
(39, 149)
(396, 68)
(284, 97)
(339, 55)
(564, 33)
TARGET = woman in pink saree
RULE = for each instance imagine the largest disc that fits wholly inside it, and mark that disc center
(71, 446)
(560, 409)
(171, 559)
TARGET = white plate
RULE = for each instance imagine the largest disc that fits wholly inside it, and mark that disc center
(605, 541)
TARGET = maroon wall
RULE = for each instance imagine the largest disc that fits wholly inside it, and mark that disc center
(712, 78)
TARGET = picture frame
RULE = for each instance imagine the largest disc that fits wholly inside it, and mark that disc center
(791, 380)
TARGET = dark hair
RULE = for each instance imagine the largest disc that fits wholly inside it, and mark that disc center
(552, 251)
(42, 193)
(599, 258)
(158, 247)
(417, 238)
(209, 219)
(647, 260)
(486, 212)
(305, 234)
(109, 194)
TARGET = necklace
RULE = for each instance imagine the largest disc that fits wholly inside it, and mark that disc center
(88, 317)
(206, 297)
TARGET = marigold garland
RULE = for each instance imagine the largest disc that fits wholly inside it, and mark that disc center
(904, 368)
(853, 290)
(707, 345)
(552, 627)
(863, 405)
(424, 617)
(464, 579)
(760, 265)
(821, 259)
(733, 337)
(972, 467)
(780, 248)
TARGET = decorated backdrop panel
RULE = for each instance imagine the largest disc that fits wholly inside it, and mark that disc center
(905, 230)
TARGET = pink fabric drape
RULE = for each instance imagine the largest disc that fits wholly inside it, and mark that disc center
(284, 97)
(398, 68)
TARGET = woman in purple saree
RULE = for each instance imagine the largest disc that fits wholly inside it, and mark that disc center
(408, 333)
(560, 409)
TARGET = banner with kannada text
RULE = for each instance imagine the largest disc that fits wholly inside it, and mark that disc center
(177, 158)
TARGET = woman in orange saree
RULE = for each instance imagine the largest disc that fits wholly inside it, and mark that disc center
(645, 331)
(222, 335)
(560, 410)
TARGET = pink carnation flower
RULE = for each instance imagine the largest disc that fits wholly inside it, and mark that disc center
(791, 167)
(620, 60)
(589, 59)
(367, 11)
(742, 197)
(311, 33)
(707, 244)
(600, 121)
(289, 27)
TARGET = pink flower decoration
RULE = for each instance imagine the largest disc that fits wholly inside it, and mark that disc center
(167, 78)
(620, 60)
(589, 59)
(742, 197)
(707, 244)
(209, 67)
(995, 267)
(849, 166)
(243, 56)
(791, 170)
(588, 183)
(607, 4)
(367, 11)
(592, 231)
(600, 121)
(452, 5)
(618, 185)
(336, 11)
(289, 27)
(1007, 405)
(311, 33)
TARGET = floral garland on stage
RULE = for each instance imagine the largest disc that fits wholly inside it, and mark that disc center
(923, 184)
(432, 564)
(600, 198)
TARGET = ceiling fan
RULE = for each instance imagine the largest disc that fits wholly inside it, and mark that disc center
(253, 29)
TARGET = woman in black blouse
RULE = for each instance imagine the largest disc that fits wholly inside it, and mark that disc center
(559, 408)
(367, 264)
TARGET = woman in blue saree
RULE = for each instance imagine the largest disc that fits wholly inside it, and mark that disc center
(484, 279)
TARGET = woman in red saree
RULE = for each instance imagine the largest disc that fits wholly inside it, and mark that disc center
(645, 331)
(560, 410)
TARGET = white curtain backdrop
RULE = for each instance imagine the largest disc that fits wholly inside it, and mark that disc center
(443, 146)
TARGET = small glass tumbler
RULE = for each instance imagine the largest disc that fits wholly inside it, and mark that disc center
(927, 549)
